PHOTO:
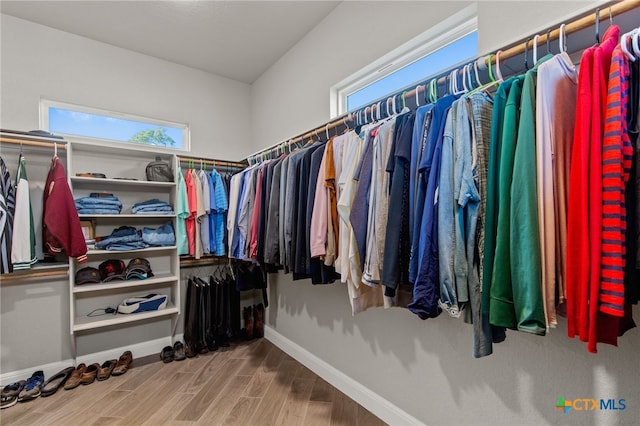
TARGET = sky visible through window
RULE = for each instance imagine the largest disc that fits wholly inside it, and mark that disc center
(460, 50)
(118, 129)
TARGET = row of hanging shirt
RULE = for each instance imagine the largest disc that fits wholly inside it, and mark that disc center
(61, 230)
(201, 212)
(460, 206)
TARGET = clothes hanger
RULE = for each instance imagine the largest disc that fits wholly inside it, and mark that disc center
(636, 42)
(498, 70)
(535, 48)
(526, 54)
(433, 90)
(475, 71)
(562, 39)
(597, 20)
(417, 89)
(549, 41)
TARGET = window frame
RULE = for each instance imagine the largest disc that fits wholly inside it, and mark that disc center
(448, 31)
(45, 104)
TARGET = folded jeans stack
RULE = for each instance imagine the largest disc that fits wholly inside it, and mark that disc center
(98, 203)
(122, 238)
(162, 236)
(152, 207)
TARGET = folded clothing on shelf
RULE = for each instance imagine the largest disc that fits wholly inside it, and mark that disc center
(162, 236)
(138, 268)
(150, 302)
(98, 203)
(153, 206)
(121, 239)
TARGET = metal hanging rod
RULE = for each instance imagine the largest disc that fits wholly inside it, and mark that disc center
(214, 163)
(604, 11)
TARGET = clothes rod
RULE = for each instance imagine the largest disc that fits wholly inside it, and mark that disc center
(215, 163)
(28, 142)
(579, 23)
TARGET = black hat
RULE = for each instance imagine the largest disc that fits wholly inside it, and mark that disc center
(112, 269)
(138, 268)
(87, 275)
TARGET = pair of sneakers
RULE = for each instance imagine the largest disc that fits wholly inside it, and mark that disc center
(23, 390)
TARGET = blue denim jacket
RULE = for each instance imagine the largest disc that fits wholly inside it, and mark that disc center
(125, 235)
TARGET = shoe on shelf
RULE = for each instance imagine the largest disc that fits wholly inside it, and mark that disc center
(56, 381)
(178, 351)
(33, 387)
(106, 369)
(123, 364)
(167, 354)
(90, 374)
(258, 320)
(10, 394)
(74, 379)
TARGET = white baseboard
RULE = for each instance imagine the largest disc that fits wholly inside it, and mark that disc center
(139, 350)
(381, 407)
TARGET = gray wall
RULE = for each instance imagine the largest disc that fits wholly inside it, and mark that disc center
(426, 367)
(38, 61)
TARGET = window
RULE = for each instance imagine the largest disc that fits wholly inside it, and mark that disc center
(108, 127)
(449, 43)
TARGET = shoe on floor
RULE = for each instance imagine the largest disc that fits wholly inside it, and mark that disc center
(178, 351)
(33, 387)
(74, 379)
(167, 354)
(56, 381)
(106, 369)
(90, 374)
(10, 394)
(123, 364)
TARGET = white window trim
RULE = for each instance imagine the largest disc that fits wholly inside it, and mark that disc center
(447, 31)
(45, 104)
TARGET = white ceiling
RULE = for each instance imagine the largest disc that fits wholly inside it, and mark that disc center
(235, 39)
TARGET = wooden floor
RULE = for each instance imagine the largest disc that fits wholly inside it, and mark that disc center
(252, 383)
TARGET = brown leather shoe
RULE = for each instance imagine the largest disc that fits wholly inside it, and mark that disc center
(90, 374)
(123, 364)
(106, 369)
(74, 380)
(258, 320)
(248, 322)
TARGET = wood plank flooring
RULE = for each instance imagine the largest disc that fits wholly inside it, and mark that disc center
(252, 383)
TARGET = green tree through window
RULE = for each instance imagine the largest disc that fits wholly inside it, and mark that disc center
(157, 137)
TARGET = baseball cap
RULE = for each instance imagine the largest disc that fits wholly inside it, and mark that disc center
(112, 269)
(87, 275)
(138, 268)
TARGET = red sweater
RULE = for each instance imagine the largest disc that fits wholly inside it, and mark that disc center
(61, 229)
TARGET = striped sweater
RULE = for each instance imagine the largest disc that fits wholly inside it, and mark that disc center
(617, 152)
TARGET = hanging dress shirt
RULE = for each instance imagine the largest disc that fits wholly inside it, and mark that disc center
(555, 121)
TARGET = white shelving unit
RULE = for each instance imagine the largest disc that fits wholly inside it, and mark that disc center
(125, 170)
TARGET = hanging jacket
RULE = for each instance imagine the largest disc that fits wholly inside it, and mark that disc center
(23, 244)
(61, 230)
(501, 310)
(524, 239)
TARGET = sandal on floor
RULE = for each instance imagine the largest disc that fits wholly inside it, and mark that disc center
(56, 381)
(10, 394)
(167, 354)
(123, 364)
(178, 351)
